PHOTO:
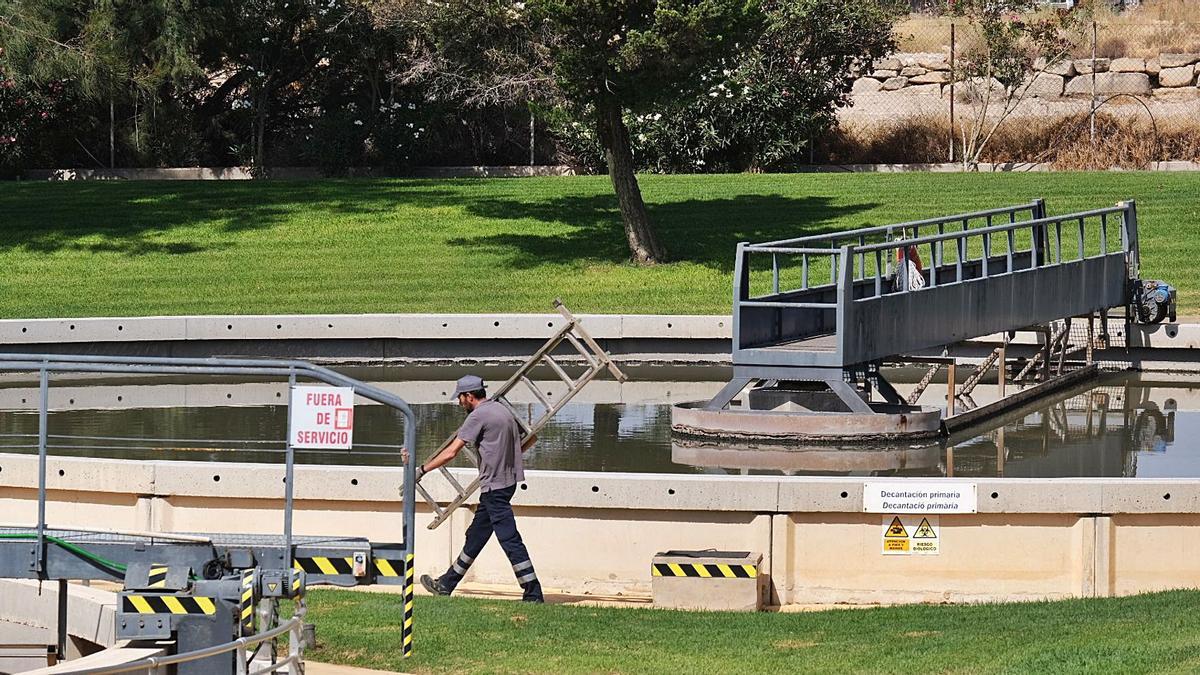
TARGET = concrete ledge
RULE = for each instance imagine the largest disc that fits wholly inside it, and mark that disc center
(578, 489)
(596, 533)
(354, 326)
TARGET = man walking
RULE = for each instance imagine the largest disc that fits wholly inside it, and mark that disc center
(490, 427)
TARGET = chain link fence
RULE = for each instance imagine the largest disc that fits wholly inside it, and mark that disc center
(1127, 95)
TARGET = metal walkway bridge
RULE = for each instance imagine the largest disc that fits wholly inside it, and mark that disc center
(830, 307)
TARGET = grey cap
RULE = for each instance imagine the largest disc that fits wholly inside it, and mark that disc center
(467, 383)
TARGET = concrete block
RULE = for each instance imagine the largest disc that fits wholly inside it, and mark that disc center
(679, 326)
(1046, 85)
(932, 77)
(1177, 60)
(701, 580)
(1087, 66)
(923, 89)
(1127, 65)
(865, 85)
(1177, 77)
(1110, 83)
(894, 83)
(1064, 68)
(933, 62)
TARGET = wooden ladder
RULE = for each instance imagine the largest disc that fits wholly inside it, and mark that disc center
(596, 361)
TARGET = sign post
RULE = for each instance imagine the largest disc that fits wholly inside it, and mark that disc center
(318, 417)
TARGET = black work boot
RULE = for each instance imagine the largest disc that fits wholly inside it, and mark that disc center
(435, 586)
(533, 592)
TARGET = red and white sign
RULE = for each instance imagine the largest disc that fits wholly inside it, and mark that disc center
(321, 417)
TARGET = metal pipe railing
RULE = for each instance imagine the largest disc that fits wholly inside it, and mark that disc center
(1032, 207)
(293, 626)
(45, 364)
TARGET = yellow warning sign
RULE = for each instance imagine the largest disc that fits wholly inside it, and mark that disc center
(923, 539)
(925, 530)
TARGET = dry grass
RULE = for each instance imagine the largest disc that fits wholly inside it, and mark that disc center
(1156, 26)
(1063, 141)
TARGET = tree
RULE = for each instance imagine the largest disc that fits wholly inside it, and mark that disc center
(1016, 44)
(763, 106)
(596, 58)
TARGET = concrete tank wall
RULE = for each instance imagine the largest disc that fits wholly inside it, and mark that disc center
(596, 532)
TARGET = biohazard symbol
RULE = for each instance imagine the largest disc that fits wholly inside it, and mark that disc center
(896, 529)
(925, 530)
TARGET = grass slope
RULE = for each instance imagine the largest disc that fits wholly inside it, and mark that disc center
(1148, 633)
(148, 248)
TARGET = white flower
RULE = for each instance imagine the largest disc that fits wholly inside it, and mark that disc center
(358, 123)
(714, 94)
(699, 162)
(657, 116)
(266, 40)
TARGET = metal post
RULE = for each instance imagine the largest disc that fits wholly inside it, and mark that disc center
(775, 274)
(62, 619)
(950, 386)
(43, 409)
(410, 532)
(950, 461)
(1003, 365)
(952, 50)
(295, 647)
(1092, 115)
(288, 475)
(1000, 452)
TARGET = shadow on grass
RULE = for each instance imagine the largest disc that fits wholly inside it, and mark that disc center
(701, 231)
(137, 218)
(128, 218)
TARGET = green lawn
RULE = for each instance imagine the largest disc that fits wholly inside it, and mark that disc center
(1148, 633)
(146, 248)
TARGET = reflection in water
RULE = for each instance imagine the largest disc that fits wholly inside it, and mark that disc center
(1123, 428)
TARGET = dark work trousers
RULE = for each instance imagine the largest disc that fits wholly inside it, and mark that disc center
(495, 514)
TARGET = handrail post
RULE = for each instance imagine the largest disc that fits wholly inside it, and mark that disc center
(1039, 233)
(295, 649)
(410, 532)
(43, 410)
(288, 478)
(845, 301)
(741, 291)
(1129, 238)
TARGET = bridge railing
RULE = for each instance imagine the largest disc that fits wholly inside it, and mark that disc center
(995, 250)
(804, 272)
(817, 291)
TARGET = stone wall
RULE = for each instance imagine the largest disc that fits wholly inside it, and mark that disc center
(1168, 74)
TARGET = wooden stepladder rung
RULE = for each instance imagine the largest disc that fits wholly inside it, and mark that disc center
(597, 361)
(537, 392)
(558, 370)
(516, 415)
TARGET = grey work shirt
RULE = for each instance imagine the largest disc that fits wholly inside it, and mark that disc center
(492, 430)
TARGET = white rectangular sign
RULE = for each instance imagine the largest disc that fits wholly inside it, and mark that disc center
(321, 417)
(908, 535)
(911, 497)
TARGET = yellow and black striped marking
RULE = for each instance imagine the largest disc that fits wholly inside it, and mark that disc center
(158, 576)
(704, 570)
(297, 583)
(326, 566)
(168, 604)
(407, 631)
(389, 568)
(247, 605)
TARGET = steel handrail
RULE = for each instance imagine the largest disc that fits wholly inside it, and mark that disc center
(833, 236)
(994, 229)
(240, 643)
